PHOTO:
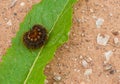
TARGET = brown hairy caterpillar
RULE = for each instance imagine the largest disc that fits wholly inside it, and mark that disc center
(35, 37)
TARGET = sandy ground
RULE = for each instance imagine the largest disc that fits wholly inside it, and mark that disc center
(92, 54)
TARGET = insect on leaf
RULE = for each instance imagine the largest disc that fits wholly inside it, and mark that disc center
(21, 65)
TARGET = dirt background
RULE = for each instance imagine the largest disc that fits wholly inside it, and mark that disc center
(92, 54)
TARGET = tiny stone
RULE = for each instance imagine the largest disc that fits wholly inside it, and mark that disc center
(107, 67)
(78, 70)
(57, 78)
(9, 23)
(82, 11)
(88, 59)
(107, 55)
(102, 39)
(116, 40)
(118, 71)
(46, 82)
(78, 20)
(66, 46)
(84, 63)
(94, 17)
(76, 8)
(59, 58)
(74, 34)
(83, 34)
(75, 70)
(99, 22)
(75, 59)
(47, 66)
(88, 72)
(5, 19)
(54, 72)
(91, 10)
(96, 4)
(111, 14)
(81, 57)
(102, 6)
(22, 4)
(13, 2)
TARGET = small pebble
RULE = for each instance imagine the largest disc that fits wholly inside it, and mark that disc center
(75, 70)
(83, 34)
(96, 4)
(6, 19)
(84, 63)
(9, 23)
(111, 14)
(88, 59)
(107, 55)
(102, 39)
(81, 57)
(48, 66)
(99, 22)
(88, 72)
(94, 17)
(116, 40)
(13, 2)
(91, 10)
(57, 78)
(22, 4)
(78, 20)
(66, 46)
(107, 67)
(102, 6)
(76, 8)
(83, 11)
(46, 82)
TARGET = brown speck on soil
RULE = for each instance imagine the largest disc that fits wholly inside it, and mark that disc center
(81, 60)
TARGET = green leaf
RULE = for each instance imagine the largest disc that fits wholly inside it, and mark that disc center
(21, 65)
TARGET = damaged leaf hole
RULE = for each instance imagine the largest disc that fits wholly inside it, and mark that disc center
(35, 37)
